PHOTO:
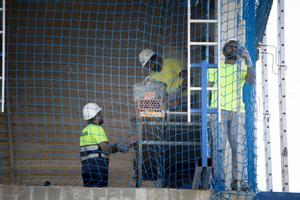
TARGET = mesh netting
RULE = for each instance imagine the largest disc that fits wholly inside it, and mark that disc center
(64, 54)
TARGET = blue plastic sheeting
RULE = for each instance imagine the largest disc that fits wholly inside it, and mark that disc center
(263, 9)
(249, 94)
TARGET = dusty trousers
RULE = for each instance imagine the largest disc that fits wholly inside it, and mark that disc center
(231, 129)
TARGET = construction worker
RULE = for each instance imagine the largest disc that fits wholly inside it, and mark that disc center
(95, 148)
(168, 71)
(232, 113)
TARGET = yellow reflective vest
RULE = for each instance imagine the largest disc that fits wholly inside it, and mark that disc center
(92, 134)
(169, 74)
(229, 82)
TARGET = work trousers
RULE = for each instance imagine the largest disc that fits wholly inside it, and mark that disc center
(232, 129)
(95, 172)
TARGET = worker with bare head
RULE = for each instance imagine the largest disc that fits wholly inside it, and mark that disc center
(166, 70)
(95, 148)
(233, 75)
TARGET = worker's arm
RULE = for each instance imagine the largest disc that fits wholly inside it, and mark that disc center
(174, 98)
(121, 148)
(184, 76)
(250, 75)
(113, 148)
(250, 72)
(107, 148)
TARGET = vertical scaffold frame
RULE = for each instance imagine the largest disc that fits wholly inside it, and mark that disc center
(197, 65)
(266, 115)
(3, 57)
(282, 95)
(204, 67)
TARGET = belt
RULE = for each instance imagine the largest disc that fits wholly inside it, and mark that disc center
(94, 155)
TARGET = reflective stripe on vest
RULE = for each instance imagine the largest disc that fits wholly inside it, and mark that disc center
(94, 155)
(91, 151)
(89, 148)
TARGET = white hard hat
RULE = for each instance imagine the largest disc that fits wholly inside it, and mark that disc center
(145, 55)
(229, 40)
(90, 110)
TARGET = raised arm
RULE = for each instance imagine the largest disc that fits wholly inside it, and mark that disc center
(248, 61)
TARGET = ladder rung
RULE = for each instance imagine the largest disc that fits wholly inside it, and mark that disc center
(204, 43)
(1, 32)
(199, 65)
(200, 21)
(171, 143)
(171, 123)
(177, 113)
(212, 89)
(195, 88)
(200, 88)
(209, 111)
(1, 9)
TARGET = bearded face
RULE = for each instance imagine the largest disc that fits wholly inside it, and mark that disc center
(99, 119)
(230, 51)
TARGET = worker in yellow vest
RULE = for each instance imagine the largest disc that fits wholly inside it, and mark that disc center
(232, 112)
(95, 148)
(170, 71)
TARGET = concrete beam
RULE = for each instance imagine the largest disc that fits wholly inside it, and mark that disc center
(82, 193)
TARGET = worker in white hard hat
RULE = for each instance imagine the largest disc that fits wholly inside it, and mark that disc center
(168, 71)
(233, 75)
(95, 148)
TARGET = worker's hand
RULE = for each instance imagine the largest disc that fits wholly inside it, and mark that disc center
(134, 140)
(243, 52)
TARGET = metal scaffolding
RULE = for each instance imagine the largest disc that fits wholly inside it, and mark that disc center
(2, 31)
(266, 115)
(282, 95)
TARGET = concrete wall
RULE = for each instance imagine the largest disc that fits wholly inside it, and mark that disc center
(80, 193)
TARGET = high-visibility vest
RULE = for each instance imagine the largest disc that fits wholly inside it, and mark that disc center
(228, 98)
(92, 135)
(169, 74)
